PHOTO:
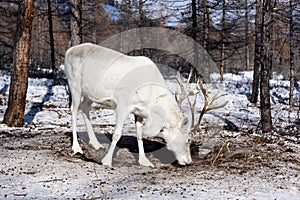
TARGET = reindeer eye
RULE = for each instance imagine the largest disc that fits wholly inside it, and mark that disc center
(189, 140)
(191, 134)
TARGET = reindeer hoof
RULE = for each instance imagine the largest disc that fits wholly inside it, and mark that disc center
(145, 162)
(106, 161)
(77, 150)
(97, 146)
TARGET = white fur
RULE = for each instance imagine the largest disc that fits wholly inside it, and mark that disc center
(128, 85)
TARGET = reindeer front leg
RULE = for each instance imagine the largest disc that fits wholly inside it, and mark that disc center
(121, 116)
(143, 160)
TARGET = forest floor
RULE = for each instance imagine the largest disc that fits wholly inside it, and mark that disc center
(232, 159)
(41, 166)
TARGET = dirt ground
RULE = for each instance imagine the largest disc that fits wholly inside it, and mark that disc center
(40, 165)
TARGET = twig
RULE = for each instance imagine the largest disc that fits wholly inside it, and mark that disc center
(225, 144)
(102, 192)
(51, 180)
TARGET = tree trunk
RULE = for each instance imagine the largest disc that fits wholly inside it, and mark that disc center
(223, 24)
(257, 52)
(247, 56)
(292, 65)
(204, 60)
(14, 115)
(205, 23)
(265, 103)
(52, 54)
(194, 19)
(76, 22)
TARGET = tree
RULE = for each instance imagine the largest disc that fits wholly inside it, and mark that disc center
(292, 65)
(223, 32)
(257, 52)
(76, 22)
(206, 23)
(247, 55)
(51, 40)
(14, 115)
(263, 61)
(194, 20)
(265, 103)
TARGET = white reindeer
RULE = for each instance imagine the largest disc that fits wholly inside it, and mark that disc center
(128, 85)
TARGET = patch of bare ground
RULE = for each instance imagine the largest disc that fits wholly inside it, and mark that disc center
(246, 166)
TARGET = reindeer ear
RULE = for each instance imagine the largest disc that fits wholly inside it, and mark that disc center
(155, 121)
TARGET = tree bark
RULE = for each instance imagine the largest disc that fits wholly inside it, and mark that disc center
(223, 24)
(194, 19)
(247, 56)
(205, 23)
(14, 115)
(76, 22)
(265, 103)
(257, 52)
(292, 65)
(52, 49)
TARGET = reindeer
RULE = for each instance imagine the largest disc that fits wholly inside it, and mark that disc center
(128, 85)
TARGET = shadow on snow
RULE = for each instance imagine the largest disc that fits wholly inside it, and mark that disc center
(155, 148)
(38, 106)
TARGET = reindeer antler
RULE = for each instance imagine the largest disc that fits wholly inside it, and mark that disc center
(185, 94)
(183, 86)
(208, 102)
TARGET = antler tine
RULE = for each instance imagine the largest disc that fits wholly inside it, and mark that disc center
(214, 107)
(208, 102)
(183, 86)
(179, 101)
(185, 94)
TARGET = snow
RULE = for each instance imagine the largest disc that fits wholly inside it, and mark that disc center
(113, 12)
(48, 105)
(43, 174)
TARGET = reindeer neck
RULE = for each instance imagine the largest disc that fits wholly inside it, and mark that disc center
(172, 111)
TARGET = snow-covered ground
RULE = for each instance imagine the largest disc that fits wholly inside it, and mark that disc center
(48, 106)
(36, 160)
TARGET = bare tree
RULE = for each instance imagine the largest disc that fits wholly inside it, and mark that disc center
(223, 31)
(76, 22)
(292, 65)
(265, 103)
(53, 66)
(263, 61)
(206, 24)
(247, 55)
(14, 115)
(257, 52)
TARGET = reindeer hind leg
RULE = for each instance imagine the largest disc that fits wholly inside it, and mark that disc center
(76, 98)
(85, 107)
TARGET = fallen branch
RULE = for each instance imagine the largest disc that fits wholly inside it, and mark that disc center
(103, 194)
(225, 145)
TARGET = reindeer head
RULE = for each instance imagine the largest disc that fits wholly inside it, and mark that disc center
(178, 141)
